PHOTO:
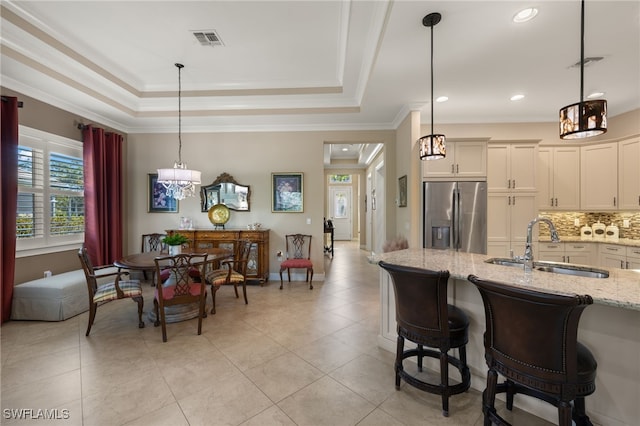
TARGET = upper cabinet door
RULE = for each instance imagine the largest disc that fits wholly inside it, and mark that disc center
(464, 161)
(471, 159)
(512, 167)
(599, 177)
(629, 174)
(566, 178)
(559, 178)
(524, 164)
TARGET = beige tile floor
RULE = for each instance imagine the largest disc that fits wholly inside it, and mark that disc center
(291, 357)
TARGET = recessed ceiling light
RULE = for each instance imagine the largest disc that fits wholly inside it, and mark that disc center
(525, 15)
(442, 99)
(517, 97)
(345, 149)
(595, 95)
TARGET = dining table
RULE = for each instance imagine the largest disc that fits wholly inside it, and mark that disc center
(146, 261)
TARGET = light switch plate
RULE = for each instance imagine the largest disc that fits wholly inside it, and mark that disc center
(625, 223)
(308, 221)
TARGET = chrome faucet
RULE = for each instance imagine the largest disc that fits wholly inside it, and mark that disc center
(528, 252)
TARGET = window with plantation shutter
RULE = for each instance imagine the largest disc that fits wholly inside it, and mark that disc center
(50, 214)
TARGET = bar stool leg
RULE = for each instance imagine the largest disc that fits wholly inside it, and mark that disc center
(398, 366)
(489, 396)
(444, 382)
(564, 414)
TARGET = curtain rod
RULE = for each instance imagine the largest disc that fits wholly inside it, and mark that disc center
(5, 99)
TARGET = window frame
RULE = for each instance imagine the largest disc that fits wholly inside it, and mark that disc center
(47, 142)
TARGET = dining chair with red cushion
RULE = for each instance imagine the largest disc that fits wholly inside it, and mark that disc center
(179, 288)
(298, 256)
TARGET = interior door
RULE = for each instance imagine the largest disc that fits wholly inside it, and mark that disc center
(341, 205)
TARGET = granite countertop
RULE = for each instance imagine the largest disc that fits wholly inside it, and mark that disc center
(621, 289)
(627, 242)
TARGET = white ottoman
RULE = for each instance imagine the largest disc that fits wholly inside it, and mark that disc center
(54, 298)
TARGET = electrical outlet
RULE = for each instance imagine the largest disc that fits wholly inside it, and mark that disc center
(576, 222)
(625, 223)
(47, 274)
(308, 221)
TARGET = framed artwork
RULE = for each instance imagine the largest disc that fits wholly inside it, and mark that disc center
(287, 192)
(402, 191)
(158, 200)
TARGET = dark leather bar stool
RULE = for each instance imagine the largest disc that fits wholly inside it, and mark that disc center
(424, 317)
(531, 339)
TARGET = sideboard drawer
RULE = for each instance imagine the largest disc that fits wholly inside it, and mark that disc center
(253, 235)
(217, 235)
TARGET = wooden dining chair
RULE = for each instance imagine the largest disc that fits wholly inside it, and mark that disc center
(298, 256)
(103, 293)
(180, 287)
(152, 242)
(231, 271)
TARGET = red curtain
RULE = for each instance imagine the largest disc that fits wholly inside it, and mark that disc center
(8, 200)
(102, 154)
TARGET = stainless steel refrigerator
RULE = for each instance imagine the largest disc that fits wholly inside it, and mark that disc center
(455, 216)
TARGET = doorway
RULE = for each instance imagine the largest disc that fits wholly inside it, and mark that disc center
(340, 203)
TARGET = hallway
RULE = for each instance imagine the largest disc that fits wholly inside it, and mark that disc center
(290, 357)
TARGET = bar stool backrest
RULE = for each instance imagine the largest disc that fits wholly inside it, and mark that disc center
(532, 336)
(421, 304)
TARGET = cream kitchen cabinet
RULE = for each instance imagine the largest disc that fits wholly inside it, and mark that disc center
(629, 174)
(569, 252)
(612, 256)
(512, 167)
(599, 177)
(559, 178)
(508, 215)
(464, 160)
(633, 258)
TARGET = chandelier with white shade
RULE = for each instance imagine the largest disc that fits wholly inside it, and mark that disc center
(179, 181)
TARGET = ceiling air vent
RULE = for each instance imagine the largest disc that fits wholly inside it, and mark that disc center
(208, 38)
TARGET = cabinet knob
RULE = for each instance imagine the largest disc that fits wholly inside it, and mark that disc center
(514, 184)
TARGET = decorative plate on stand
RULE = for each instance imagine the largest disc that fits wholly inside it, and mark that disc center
(219, 215)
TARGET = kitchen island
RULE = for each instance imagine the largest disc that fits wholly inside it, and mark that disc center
(610, 327)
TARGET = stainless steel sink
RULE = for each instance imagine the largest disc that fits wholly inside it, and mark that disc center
(555, 267)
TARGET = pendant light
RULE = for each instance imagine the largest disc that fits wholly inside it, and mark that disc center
(583, 119)
(179, 181)
(432, 147)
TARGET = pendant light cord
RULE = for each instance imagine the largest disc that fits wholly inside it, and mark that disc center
(432, 83)
(180, 66)
(582, 53)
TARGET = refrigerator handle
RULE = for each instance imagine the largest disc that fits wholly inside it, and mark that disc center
(454, 220)
(457, 220)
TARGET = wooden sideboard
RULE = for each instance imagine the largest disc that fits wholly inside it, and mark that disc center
(258, 266)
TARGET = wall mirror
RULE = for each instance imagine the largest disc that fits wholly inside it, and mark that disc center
(225, 190)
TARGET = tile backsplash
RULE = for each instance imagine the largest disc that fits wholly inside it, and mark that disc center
(564, 222)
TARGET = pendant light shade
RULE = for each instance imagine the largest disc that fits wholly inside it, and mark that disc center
(432, 147)
(583, 119)
(179, 181)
